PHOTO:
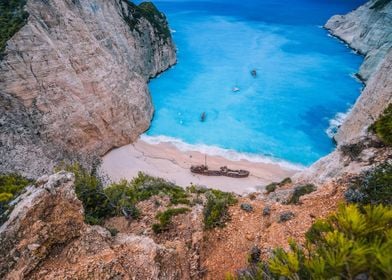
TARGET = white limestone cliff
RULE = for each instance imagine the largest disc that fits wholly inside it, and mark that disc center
(73, 81)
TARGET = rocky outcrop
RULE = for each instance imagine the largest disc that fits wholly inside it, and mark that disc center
(45, 237)
(368, 30)
(47, 215)
(73, 81)
(372, 102)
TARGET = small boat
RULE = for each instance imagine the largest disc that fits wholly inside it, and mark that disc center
(224, 171)
(253, 73)
(235, 89)
(203, 116)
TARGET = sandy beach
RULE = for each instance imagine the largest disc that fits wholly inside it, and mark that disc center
(167, 161)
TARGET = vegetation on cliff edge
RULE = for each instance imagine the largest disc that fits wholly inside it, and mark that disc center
(372, 187)
(147, 10)
(300, 191)
(11, 185)
(356, 241)
(119, 199)
(383, 126)
(12, 18)
(216, 210)
(165, 218)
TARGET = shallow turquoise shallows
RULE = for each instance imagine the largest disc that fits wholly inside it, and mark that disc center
(304, 78)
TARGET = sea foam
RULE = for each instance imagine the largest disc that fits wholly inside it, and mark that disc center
(335, 123)
(217, 151)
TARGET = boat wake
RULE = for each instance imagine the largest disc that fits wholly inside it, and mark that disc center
(217, 151)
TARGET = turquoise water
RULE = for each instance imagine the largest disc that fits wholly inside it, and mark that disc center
(304, 78)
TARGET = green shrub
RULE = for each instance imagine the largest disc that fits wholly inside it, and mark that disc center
(354, 241)
(89, 190)
(286, 216)
(196, 189)
(119, 198)
(300, 191)
(144, 186)
(113, 231)
(12, 18)
(165, 218)
(352, 150)
(11, 185)
(271, 187)
(373, 186)
(285, 181)
(216, 209)
(383, 126)
(132, 14)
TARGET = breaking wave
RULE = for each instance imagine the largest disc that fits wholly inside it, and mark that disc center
(217, 151)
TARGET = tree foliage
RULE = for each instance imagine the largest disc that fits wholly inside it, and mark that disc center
(12, 18)
(355, 240)
(300, 191)
(119, 199)
(165, 218)
(373, 186)
(383, 126)
(216, 209)
(11, 185)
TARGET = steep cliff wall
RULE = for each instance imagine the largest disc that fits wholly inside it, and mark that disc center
(73, 80)
(368, 30)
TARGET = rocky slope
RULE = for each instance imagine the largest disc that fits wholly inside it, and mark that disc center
(45, 237)
(368, 29)
(73, 81)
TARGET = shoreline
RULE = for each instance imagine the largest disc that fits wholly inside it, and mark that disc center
(166, 161)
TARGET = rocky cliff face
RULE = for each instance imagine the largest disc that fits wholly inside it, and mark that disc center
(45, 237)
(73, 81)
(368, 30)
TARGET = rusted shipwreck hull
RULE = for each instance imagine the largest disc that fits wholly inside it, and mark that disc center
(224, 171)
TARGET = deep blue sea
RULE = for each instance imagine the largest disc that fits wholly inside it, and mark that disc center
(304, 78)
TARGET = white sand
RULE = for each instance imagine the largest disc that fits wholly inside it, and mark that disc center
(166, 161)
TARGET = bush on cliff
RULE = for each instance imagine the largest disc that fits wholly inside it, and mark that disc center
(271, 187)
(89, 190)
(11, 185)
(12, 18)
(352, 151)
(353, 243)
(372, 187)
(165, 218)
(383, 126)
(125, 195)
(216, 209)
(300, 191)
(119, 199)
(132, 14)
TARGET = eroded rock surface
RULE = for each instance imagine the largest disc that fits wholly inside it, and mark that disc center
(73, 82)
(45, 237)
(368, 30)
